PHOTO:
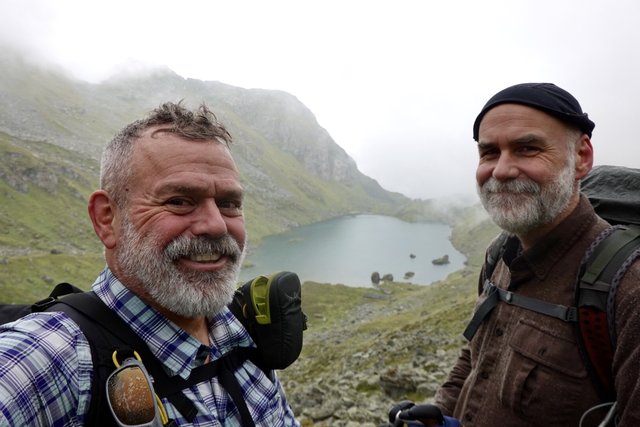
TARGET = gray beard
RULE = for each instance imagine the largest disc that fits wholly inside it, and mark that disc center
(185, 293)
(521, 206)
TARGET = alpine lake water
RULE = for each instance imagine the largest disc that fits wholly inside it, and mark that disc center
(349, 249)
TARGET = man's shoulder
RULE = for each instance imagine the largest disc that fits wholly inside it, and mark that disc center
(48, 332)
(46, 369)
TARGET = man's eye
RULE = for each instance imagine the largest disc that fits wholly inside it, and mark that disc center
(230, 207)
(488, 154)
(529, 149)
(178, 202)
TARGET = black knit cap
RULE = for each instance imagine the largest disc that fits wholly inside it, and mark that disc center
(546, 97)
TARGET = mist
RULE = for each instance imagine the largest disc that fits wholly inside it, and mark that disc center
(397, 85)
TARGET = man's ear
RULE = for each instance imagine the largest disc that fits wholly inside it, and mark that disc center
(102, 211)
(584, 156)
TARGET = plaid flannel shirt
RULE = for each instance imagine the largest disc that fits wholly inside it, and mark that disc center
(46, 368)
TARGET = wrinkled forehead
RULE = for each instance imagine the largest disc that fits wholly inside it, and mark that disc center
(158, 150)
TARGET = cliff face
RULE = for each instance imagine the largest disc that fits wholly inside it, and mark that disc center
(299, 134)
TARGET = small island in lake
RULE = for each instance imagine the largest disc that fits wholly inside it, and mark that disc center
(444, 259)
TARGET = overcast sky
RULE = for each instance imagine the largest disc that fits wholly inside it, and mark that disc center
(396, 83)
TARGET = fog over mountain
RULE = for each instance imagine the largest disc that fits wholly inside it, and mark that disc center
(392, 83)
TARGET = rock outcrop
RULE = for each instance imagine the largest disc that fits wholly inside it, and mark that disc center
(362, 387)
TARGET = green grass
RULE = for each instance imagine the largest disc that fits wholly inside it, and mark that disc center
(44, 271)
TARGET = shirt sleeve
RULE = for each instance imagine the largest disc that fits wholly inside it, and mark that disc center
(289, 419)
(265, 397)
(448, 394)
(45, 372)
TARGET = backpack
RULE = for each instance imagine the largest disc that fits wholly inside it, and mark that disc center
(269, 307)
(614, 192)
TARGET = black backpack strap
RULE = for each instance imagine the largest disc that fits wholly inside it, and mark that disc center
(494, 253)
(106, 333)
(60, 290)
(224, 369)
(496, 295)
(98, 315)
(605, 264)
(230, 383)
(483, 310)
(101, 344)
(95, 314)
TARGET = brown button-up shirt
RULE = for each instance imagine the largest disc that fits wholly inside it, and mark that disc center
(523, 368)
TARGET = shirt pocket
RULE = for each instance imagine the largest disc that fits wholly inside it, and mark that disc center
(544, 374)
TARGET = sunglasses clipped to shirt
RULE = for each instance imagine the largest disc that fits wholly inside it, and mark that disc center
(131, 397)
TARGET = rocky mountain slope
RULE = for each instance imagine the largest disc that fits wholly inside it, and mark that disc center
(53, 128)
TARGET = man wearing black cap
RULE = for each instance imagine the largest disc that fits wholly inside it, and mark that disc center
(524, 368)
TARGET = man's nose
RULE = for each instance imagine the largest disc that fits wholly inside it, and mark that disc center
(506, 167)
(209, 220)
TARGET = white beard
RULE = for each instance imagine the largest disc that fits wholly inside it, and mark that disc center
(522, 205)
(185, 293)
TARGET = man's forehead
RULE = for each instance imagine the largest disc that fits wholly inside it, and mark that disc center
(172, 154)
(179, 185)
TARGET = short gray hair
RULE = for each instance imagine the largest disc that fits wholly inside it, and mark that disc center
(197, 125)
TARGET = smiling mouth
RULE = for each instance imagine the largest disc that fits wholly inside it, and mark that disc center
(204, 257)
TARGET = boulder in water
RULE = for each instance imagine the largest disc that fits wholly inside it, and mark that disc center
(444, 259)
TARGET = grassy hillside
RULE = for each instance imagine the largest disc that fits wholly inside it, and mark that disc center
(46, 234)
(53, 129)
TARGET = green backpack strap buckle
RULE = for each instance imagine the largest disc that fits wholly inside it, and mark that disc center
(259, 296)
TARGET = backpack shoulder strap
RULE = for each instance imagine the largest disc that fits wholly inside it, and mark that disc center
(494, 253)
(11, 312)
(106, 331)
(222, 368)
(605, 264)
(102, 344)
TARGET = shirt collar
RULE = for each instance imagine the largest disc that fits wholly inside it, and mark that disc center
(178, 351)
(540, 258)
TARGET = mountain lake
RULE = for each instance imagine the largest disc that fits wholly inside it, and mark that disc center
(349, 249)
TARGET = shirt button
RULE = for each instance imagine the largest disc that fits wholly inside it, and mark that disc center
(499, 332)
(468, 417)
(484, 375)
